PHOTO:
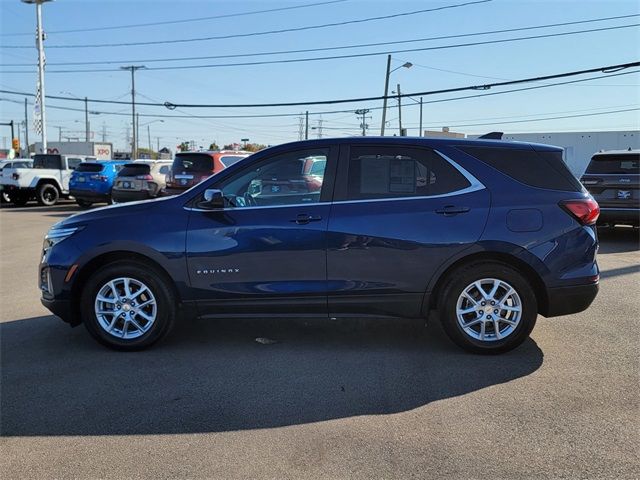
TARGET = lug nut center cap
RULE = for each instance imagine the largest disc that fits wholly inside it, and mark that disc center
(126, 307)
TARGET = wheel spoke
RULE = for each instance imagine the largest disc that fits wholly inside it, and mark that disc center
(472, 323)
(496, 327)
(104, 299)
(106, 312)
(113, 323)
(510, 309)
(510, 322)
(482, 330)
(139, 292)
(137, 325)
(478, 285)
(112, 285)
(470, 298)
(125, 327)
(460, 312)
(507, 295)
(492, 293)
(127, 288)
(144, 315)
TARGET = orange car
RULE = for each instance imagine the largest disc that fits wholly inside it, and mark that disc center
(190, 168)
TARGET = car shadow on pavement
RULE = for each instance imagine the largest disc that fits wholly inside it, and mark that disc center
(212, 376)
(618, 240)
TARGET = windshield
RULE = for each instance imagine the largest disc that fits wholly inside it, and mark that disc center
(193, 162)
(89, 167)
(228, 161)
(624, 163)
(47, 161)
(134, 169)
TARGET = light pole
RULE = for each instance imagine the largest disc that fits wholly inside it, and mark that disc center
(133, 69)
(386, 89)
(149, 131)
(40, 46)
(87, 125)
(419, 102)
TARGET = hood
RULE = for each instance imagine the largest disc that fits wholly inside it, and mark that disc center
(113, 211)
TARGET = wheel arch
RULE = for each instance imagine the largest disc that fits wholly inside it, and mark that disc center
(107, 258)
(510, 259)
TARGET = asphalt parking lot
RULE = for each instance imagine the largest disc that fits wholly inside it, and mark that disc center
(380, 400)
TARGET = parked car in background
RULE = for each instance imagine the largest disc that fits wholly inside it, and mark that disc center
(10, 164)
(91, 182)
(190, 168)
(401, 226)
(47, 181)
(613, 178)
(141, 180)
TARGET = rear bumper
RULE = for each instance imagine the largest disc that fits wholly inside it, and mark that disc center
(568, 300)
(89, 195)
(174, 191)
(122, 196)
(626, 215)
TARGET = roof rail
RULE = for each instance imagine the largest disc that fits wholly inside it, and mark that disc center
(492, 136)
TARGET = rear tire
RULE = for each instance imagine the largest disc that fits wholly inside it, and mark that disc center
(84, 203)
(47, 194)
(470, 317)
(143, 306)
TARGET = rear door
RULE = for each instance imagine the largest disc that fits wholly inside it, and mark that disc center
(398, 214)
(265, 252)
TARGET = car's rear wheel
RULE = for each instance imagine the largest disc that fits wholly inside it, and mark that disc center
(128, 306)
(47, 194)
(84, 203)
(487, 307)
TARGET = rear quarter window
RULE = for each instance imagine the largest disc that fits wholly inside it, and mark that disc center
(193, 162)
(544, 169)
(615, 164)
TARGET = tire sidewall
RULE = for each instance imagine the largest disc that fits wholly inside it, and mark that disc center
(166, 309)
(462, 278)
(41, 194)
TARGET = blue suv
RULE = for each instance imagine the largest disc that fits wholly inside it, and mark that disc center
(488, 233)
(91, 182)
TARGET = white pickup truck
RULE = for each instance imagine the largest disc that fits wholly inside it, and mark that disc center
(47, 181)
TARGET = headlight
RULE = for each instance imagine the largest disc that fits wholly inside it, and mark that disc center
(56, 235)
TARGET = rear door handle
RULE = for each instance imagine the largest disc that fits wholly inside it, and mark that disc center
(303, 219)
(451, 210)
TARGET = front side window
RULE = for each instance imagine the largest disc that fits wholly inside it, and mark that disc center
(394, 172)
(280, 180)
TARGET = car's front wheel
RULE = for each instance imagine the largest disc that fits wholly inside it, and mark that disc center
(487, 307)
(128, 306)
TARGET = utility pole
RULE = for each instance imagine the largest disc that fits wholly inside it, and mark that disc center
(104, 131)
(134, 143)
(319, 127)
(149, 137)
(86, 119)
(136, 130)
(420, 117)
(363, 112)
(399, 111)
(59, 133)
(26, 126)
(300, 127)
(158, 150)
(40, 105)
(386, 91)
(306, 126)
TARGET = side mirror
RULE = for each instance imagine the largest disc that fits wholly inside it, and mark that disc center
(213, 199)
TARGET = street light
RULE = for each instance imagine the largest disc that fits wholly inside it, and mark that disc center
(40, 46)
(386, 88)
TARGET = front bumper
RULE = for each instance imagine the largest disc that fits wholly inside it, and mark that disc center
(569, 300)
(62, 309)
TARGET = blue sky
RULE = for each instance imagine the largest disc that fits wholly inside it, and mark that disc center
(318, 80)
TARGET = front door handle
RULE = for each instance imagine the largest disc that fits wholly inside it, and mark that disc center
(451, 210)
(303, 219)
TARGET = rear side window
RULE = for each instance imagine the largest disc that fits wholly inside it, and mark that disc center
(394, 172)
(164, 169)
(134, 169)
(89, 167)
(193, 162)
(536, 169)
(73, 163)
(228, 161)
(47, 162)
(626, 164)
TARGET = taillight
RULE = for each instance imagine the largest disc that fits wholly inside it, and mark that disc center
(585, 210)
(16, 176)
(144, 177)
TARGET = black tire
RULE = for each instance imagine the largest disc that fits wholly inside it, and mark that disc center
(160, 289)
(19, 199)
(47, 194)
(83, 203)
(5, 198)
(453, 287)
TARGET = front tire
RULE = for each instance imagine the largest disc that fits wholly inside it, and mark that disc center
(47, 195)
(487, 307)
(128, 306)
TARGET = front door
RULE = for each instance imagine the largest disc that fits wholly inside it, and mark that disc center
(265, 252)
(399, 213)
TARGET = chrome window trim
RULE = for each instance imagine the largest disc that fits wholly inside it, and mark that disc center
(474, 186)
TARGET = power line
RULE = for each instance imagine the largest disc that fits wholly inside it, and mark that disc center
(547, 85)
(186, 20)
(254, 34)
(356, 55)
(340, 47)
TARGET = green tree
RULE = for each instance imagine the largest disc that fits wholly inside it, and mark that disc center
(214, 146)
